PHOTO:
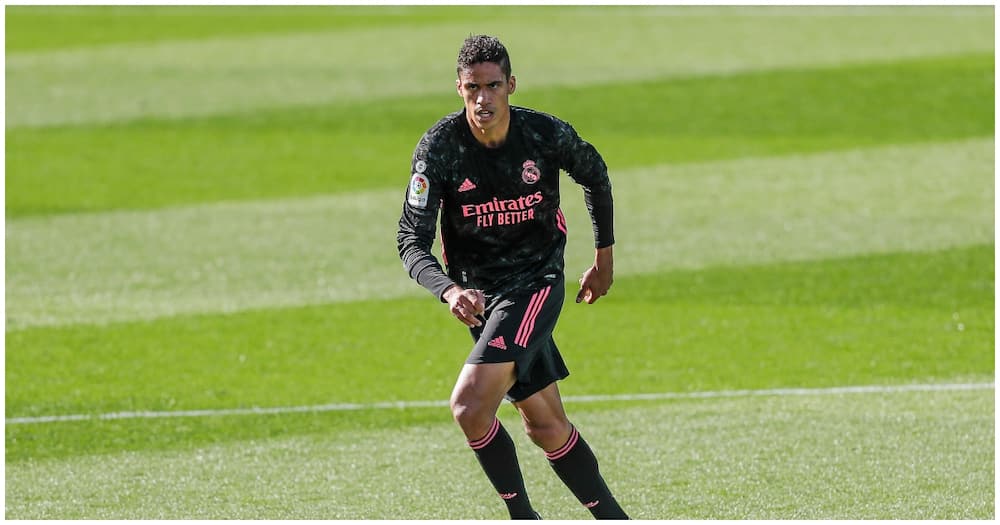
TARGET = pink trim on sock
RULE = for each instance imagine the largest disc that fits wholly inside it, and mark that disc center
(485, 440)
(563, 450)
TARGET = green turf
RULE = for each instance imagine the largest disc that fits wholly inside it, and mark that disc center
(926, 455)
(211, 76)
(869, 320)
(56, 27)
(201, 208)
(346, 147)
(47, 28)
(228, 257)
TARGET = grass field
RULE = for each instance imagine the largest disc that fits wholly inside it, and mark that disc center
(207, 318)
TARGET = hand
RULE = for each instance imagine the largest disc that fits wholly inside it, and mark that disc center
(465, 305)
(596, 281)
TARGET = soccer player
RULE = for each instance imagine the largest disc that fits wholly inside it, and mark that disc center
(492, 170)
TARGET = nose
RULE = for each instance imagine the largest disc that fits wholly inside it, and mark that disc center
(482, 98)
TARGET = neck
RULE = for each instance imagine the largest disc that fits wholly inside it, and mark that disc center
(491, 138)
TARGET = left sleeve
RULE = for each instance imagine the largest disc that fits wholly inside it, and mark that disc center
(417, 225)
(586, 166)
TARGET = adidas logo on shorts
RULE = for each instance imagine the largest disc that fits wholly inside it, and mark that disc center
(498, 342)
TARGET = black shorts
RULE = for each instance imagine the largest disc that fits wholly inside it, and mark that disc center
(519, 328)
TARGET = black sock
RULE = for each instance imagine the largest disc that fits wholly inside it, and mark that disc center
(498, 458)
(576, 466)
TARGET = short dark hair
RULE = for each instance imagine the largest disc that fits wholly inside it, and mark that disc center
(483, 48)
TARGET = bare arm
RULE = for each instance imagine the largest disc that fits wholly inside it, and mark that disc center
(596, 281)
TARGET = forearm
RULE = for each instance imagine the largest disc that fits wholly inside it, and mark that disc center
(413, 241)
(425, 269)
(604, 259)
(600, 205)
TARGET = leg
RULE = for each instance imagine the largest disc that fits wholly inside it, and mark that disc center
(513, 357)
(545, 419)
(569, 455)
(477, 395)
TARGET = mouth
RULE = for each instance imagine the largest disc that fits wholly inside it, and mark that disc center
(484, 114)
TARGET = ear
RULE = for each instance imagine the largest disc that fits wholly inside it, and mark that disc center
(458, 86)
(512, 83)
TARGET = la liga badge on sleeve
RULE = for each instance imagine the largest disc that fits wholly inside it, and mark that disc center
(420, 187)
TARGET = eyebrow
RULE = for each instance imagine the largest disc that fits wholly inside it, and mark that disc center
(474, 83)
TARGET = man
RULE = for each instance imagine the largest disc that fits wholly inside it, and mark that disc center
(492, 170)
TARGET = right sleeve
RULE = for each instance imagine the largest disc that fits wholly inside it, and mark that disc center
(417, 225)
(586, 166)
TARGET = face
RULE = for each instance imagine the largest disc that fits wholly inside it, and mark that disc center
(485, 90)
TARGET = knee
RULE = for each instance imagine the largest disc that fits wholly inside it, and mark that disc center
(548, 435)
(461, 409)
(470, 415)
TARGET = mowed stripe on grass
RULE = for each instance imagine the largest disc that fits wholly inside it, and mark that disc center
(33, 28)
(889, 319)
(569, 400)
(230, 257)
(346, 147)
(199, 77)
(913, 455)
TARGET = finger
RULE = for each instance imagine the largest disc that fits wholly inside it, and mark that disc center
(462, 314)
(595, 296)
(468, 315)
(581, 294)
(471, 322)
(478, 302)
(477, 306)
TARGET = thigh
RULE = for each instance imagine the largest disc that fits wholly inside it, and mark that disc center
(484, 382)
(477, 395)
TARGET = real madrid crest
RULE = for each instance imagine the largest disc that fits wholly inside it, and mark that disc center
(529, 172)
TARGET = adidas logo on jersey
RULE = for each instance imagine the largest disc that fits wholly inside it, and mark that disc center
(498, 342)
(467, 185)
